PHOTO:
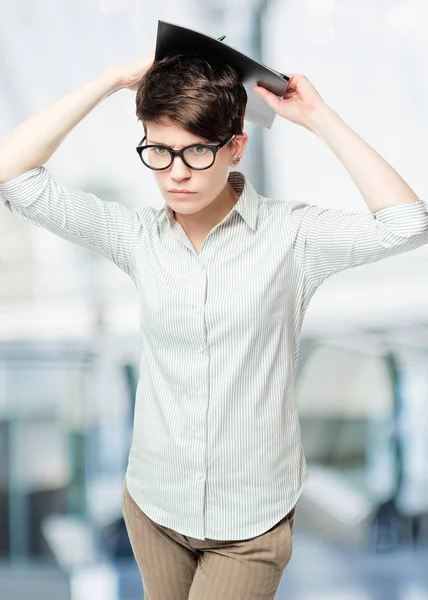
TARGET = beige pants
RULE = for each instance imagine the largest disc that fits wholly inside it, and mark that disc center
(176, 567)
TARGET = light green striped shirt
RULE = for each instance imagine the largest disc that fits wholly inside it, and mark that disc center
(216, 449)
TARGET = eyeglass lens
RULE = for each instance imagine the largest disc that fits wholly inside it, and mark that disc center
(197, 157)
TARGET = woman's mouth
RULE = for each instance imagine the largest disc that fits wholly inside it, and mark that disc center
(181, 193)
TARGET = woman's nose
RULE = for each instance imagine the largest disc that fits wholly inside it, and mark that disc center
(179, 170)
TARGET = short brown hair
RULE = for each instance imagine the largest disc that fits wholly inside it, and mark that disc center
(204, 98)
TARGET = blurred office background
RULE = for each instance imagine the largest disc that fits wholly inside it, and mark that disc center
(69, 348)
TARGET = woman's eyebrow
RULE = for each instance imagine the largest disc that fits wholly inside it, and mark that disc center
(163, 143)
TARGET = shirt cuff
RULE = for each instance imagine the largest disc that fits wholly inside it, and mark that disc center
(405, 219)
(24, 188)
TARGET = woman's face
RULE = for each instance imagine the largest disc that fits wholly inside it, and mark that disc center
(205, 185)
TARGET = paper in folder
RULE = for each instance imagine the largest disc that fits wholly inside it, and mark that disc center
(174, 39)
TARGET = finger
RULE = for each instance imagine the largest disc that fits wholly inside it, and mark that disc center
(270, 98)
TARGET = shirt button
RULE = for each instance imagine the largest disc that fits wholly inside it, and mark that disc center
(201, 393)
(200, 476)
(198, 311)
(201, 350)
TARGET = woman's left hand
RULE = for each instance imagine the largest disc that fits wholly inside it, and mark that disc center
(299, 102)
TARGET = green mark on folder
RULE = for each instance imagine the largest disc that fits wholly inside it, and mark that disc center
(221, 38)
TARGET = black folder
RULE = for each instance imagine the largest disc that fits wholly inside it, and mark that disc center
(174, 39)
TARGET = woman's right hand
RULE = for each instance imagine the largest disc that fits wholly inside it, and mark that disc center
(128, 75)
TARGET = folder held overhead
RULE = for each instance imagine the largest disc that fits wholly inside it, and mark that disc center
(174, 39)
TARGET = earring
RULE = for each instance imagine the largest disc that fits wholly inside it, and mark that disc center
(236, 161)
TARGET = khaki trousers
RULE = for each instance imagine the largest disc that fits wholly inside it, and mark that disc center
(176, 567)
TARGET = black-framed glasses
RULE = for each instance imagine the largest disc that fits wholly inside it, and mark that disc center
(196, 156)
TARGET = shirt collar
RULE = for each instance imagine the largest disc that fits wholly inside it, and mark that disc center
(247, 205)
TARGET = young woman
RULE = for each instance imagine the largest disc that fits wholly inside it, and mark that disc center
(224, 277)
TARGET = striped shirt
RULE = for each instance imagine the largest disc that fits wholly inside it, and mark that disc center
(216, 450)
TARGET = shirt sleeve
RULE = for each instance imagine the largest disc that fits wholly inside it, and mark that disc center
(327, 241)
(108, 228)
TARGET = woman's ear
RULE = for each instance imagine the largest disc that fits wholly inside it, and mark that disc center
(239, 143)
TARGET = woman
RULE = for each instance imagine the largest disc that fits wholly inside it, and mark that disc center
(224, 278)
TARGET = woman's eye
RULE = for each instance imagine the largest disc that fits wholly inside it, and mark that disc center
(160, 150)
(199, 149)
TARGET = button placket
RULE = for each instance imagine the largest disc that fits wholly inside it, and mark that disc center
(201, 349)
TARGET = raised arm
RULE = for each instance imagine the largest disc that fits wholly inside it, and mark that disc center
(33, 142)
(30, 192)
(326, 240)
(380, 185)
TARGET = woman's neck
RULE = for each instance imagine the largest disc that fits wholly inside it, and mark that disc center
(201, 223)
